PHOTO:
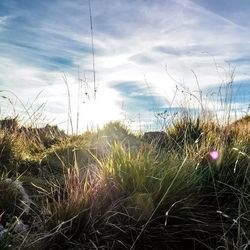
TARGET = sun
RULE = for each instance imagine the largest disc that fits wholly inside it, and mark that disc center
(95, 113)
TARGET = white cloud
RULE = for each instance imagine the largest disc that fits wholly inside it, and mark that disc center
(26, 82)
(4, 22)
(133, 41)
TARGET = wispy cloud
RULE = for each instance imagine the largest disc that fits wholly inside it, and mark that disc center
(134, 42)
(4, 22)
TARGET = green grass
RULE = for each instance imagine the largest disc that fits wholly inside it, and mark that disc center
(111, 190)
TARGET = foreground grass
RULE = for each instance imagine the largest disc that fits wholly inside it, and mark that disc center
(114, 190)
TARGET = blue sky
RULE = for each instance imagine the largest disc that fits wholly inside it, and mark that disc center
(143, 50)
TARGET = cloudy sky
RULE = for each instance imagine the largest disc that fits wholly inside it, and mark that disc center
(150, 56)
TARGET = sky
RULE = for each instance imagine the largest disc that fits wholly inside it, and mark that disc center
(149, 56)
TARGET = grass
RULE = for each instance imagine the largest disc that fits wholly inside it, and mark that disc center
(110, 189)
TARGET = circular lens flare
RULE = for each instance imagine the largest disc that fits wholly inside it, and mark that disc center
(214, 155)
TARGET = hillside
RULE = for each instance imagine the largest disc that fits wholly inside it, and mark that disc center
(184, 188)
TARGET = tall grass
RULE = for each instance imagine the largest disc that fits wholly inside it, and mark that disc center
(111, 189)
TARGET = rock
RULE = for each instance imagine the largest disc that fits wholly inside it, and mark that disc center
(3, 232)
(14, 195)
(20, 227)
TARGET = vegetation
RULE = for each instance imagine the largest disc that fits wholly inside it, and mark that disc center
(112, 189)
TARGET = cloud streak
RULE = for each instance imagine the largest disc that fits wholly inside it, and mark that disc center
(134, 42)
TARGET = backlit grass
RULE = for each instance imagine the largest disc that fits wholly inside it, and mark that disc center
(112, 190)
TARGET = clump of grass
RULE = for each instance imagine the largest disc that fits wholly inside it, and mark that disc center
(115, 128)
(185, 130)
(115, 132)
(67, 211)
(238, 131)
(7, 150)
(9, 124)
(68, 152)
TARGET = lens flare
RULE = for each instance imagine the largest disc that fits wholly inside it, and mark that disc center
(214, 155)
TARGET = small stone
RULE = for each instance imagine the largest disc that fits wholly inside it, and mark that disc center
(20, 227)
